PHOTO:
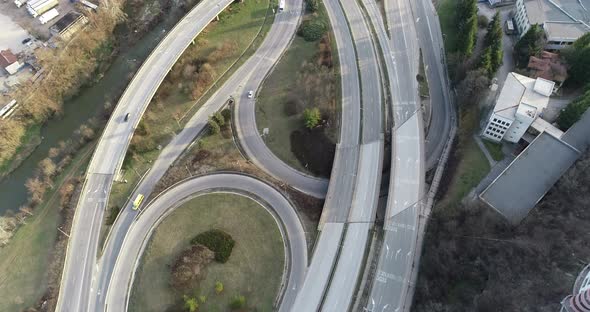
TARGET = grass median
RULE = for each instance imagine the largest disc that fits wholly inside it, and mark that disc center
(253, 270)
(306, 77)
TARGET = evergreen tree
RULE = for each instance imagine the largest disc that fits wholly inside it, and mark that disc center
(532, 43)
(493, 41)
(467, 25)
(578, 58)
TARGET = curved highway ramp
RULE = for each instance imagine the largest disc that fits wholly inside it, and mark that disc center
(143, 226)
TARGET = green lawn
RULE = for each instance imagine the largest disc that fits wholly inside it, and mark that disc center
(446, 12)
(472, 167)
(495, 150)
(254, 269)
(24, 261)
(273, 96)
(284, 88)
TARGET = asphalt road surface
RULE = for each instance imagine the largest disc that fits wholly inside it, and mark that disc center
(107, 159)
(143, 226)
(388, 292)
(272, 47)
(347, 218)
(432, 46)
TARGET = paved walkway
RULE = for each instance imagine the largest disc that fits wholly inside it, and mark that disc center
(485, 151)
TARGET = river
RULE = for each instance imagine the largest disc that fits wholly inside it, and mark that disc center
(77, 110)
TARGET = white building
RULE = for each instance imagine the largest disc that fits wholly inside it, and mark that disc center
(563, 21)
(521, 101)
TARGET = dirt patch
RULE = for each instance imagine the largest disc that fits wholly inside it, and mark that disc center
(314, 150)
(189, 266)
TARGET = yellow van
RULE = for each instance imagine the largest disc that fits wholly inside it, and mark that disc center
(137, 202)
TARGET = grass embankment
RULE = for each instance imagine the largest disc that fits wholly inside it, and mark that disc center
(219, 45)
(305, 77)
(447, 10)
(25, 260)
(467, 165)
(253, 270)
(28, 142)
(495, 150)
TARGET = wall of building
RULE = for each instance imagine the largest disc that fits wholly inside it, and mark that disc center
(521, 18)
(497, 127)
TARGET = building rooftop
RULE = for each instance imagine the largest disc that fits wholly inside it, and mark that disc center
(66, 21)
(521, 89)
(563, 20)
(7, 58)
(548, 66)
(526, 180)
(541, 11)
(560, 31)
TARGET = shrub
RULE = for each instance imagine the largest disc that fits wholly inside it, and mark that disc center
(312, 30)
(312, 5)
(226, 113)
(219, 118)
(218, 241)
(213, 126)
(574, 111)
(312, 117)
(218, 287)
(237, 302)
(482, 21)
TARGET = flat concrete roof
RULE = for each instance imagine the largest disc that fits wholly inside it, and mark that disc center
(541, 11)
(578, 135)
(520, 89)
(526, 180)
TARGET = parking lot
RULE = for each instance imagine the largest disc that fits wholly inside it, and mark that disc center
(11, 15)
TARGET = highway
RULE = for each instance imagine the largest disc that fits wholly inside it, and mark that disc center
(81, 269)
(110, 151)
(339, 255)
(409, 20)
(143, 226)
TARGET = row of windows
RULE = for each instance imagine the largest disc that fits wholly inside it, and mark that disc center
(493, 135)
(501, 122)
(494, 129)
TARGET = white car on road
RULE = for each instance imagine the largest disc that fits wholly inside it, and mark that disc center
(250, 94)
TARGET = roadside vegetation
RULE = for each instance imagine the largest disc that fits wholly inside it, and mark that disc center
(32, 261)
(578, 58)
(248, 281)
(299, 101)
(495, 149)
(475, 261)
(470, 71)
(227, 41)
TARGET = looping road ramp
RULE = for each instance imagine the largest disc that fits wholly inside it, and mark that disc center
(144, 225)
(110, 152)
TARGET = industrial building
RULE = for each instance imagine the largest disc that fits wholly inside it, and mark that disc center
(520, 103)
(564, 21)
(68, 25)
(38, 7)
